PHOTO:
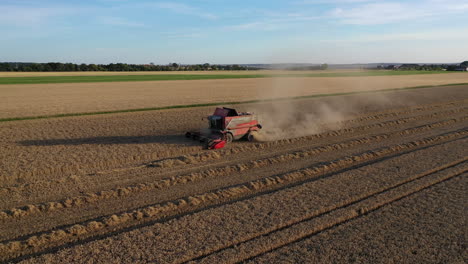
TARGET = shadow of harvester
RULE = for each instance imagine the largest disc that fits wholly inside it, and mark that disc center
(114, 140)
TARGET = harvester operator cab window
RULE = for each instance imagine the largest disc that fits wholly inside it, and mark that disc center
(230, 111)
(215, 122)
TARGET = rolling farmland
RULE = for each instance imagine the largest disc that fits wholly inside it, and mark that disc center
(30, 100)
(364, 177)
(84, 77)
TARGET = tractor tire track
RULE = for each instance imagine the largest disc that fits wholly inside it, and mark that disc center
(177, 248)
(197, 158)
(59, 236)
(103, 166)
(90, 198)
(404, 110)
(292, 232)
(200, 158)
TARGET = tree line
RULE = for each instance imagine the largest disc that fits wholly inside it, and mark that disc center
(426, 67)
(308, 68)
(69, 67)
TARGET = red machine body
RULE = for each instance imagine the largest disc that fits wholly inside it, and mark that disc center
(226, 125)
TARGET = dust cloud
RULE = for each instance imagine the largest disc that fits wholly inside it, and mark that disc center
(282, 119)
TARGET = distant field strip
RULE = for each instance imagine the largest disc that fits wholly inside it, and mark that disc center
(214, 104)
(184, 76)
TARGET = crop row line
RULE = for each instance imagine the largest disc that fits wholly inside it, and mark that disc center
(213, 155)
(405, 110)
(210, 173)
(314, 223)
(48, 239)
(193, 159)
(209, 156)
(62, 115)
(186, 151)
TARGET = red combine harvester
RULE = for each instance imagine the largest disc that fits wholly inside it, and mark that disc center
(226, 125)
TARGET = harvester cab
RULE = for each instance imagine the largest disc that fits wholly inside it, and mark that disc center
(226, 125)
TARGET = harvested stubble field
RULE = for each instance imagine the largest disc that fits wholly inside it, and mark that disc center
(24, 100)
(83, 77)
(358, 178)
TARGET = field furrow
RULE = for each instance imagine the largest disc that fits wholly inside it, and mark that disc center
(423, 219)
(292, 232)
(166, 167)
(191, 203)
(130, 188)
(92, 147)
(200, 233)
(80, 201)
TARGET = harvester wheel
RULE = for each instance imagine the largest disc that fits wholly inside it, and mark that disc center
(252, 136)
(208, 143)
(228, 137)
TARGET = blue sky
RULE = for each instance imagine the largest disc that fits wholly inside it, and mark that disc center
(226, 31)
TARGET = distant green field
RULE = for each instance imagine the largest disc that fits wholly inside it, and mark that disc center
(183, 76)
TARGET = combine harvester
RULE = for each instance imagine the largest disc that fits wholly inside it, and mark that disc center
(226, 125)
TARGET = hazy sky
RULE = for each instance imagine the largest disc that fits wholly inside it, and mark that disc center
(239, 31)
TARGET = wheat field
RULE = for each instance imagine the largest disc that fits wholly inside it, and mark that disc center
(49, 99)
